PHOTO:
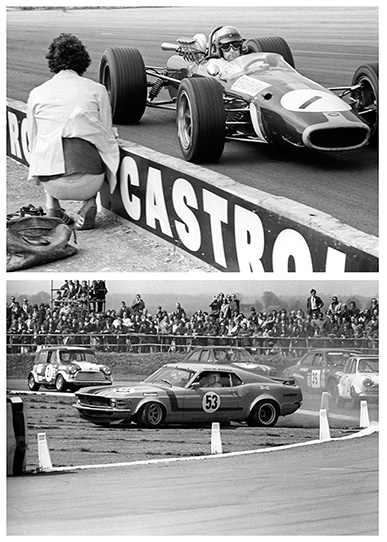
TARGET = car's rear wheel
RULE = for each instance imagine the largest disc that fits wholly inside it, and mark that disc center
(366, 97)
(32, 384)
(271, 45)
(60, 383)
(122, 72)
(201, 122)
(263, 414)
(151, 415)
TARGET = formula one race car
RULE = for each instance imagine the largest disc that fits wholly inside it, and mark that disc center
(184, 393)
(257, 97)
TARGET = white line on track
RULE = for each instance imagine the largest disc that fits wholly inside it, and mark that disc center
(374, 427)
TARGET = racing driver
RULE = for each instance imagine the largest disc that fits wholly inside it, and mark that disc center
(228, 43)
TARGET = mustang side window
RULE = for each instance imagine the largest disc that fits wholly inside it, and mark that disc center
(235, 380)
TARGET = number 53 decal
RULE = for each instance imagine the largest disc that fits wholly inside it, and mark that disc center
(211, 402)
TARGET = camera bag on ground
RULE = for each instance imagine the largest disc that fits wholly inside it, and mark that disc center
(34, 239)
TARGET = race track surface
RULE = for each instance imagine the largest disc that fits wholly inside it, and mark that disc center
(328, 44)
(321, 489)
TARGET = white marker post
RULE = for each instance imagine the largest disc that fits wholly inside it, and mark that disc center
(43, 453)
(216, 443)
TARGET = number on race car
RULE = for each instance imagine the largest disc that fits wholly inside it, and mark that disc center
(211, 402)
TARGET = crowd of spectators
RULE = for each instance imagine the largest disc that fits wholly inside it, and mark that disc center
(77, 316)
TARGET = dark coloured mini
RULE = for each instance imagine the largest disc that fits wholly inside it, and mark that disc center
(67, 368)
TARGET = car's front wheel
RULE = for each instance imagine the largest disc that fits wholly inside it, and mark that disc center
(355, 400)
(122, 72)
(32, 384)
(151, 415)
(60, 383)
(201, 119)
(365, 97)
(263, 414)
(332, 388)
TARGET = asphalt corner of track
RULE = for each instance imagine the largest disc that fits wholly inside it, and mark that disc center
(363, 432)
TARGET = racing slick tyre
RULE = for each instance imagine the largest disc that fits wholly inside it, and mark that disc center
(151, 415)
(263, 414)
(60, 383)
(270, 45)
(32, 384)
(366, 97)
(201, 119)
(122, 72)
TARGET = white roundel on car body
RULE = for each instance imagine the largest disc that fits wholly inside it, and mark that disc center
(313, 101)
(210, 402)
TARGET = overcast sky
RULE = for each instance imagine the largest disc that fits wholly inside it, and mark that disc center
(211, 285)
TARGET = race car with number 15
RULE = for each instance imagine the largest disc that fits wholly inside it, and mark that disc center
(257, 97)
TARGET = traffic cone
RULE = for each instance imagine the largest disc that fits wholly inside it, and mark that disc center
(43, 453)
(216, 443)
(325, 400)
(325, 433)
(364, 417)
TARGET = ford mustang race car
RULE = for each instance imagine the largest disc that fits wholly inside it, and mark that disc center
(183, 393)
(359, 381)
(67, 368)
(257, 97)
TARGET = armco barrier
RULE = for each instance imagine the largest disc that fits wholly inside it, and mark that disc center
(228, 225)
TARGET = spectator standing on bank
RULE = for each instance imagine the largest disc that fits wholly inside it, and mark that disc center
(335, 305)
(138, 304)
(314, 303)
(71, 137)
(101, 292)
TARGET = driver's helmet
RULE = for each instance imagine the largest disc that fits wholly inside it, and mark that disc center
(228, 42)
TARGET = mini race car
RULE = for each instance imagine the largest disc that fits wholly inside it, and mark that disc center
(235, 355)
(257, 97)
(67, 368)
(359, 381)
(184, 393)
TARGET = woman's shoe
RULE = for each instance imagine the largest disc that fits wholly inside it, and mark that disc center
(86, 219)
(59, 213)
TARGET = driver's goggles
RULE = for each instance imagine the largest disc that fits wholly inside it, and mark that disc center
(227, 46)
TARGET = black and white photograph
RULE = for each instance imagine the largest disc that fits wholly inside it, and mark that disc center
(264, 161)
(192, 269)
(111, 378)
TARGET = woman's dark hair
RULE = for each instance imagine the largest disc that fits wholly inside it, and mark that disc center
(67, 52)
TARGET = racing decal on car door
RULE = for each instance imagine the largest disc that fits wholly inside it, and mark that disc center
(49, 373)
(211, 402)
(315, 380)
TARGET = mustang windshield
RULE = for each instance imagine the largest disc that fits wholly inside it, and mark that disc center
(170, 376)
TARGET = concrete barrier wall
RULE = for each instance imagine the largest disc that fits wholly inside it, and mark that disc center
(232, 227)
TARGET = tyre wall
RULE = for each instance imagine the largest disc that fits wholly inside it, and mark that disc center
(227, 225)
(16, 436)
